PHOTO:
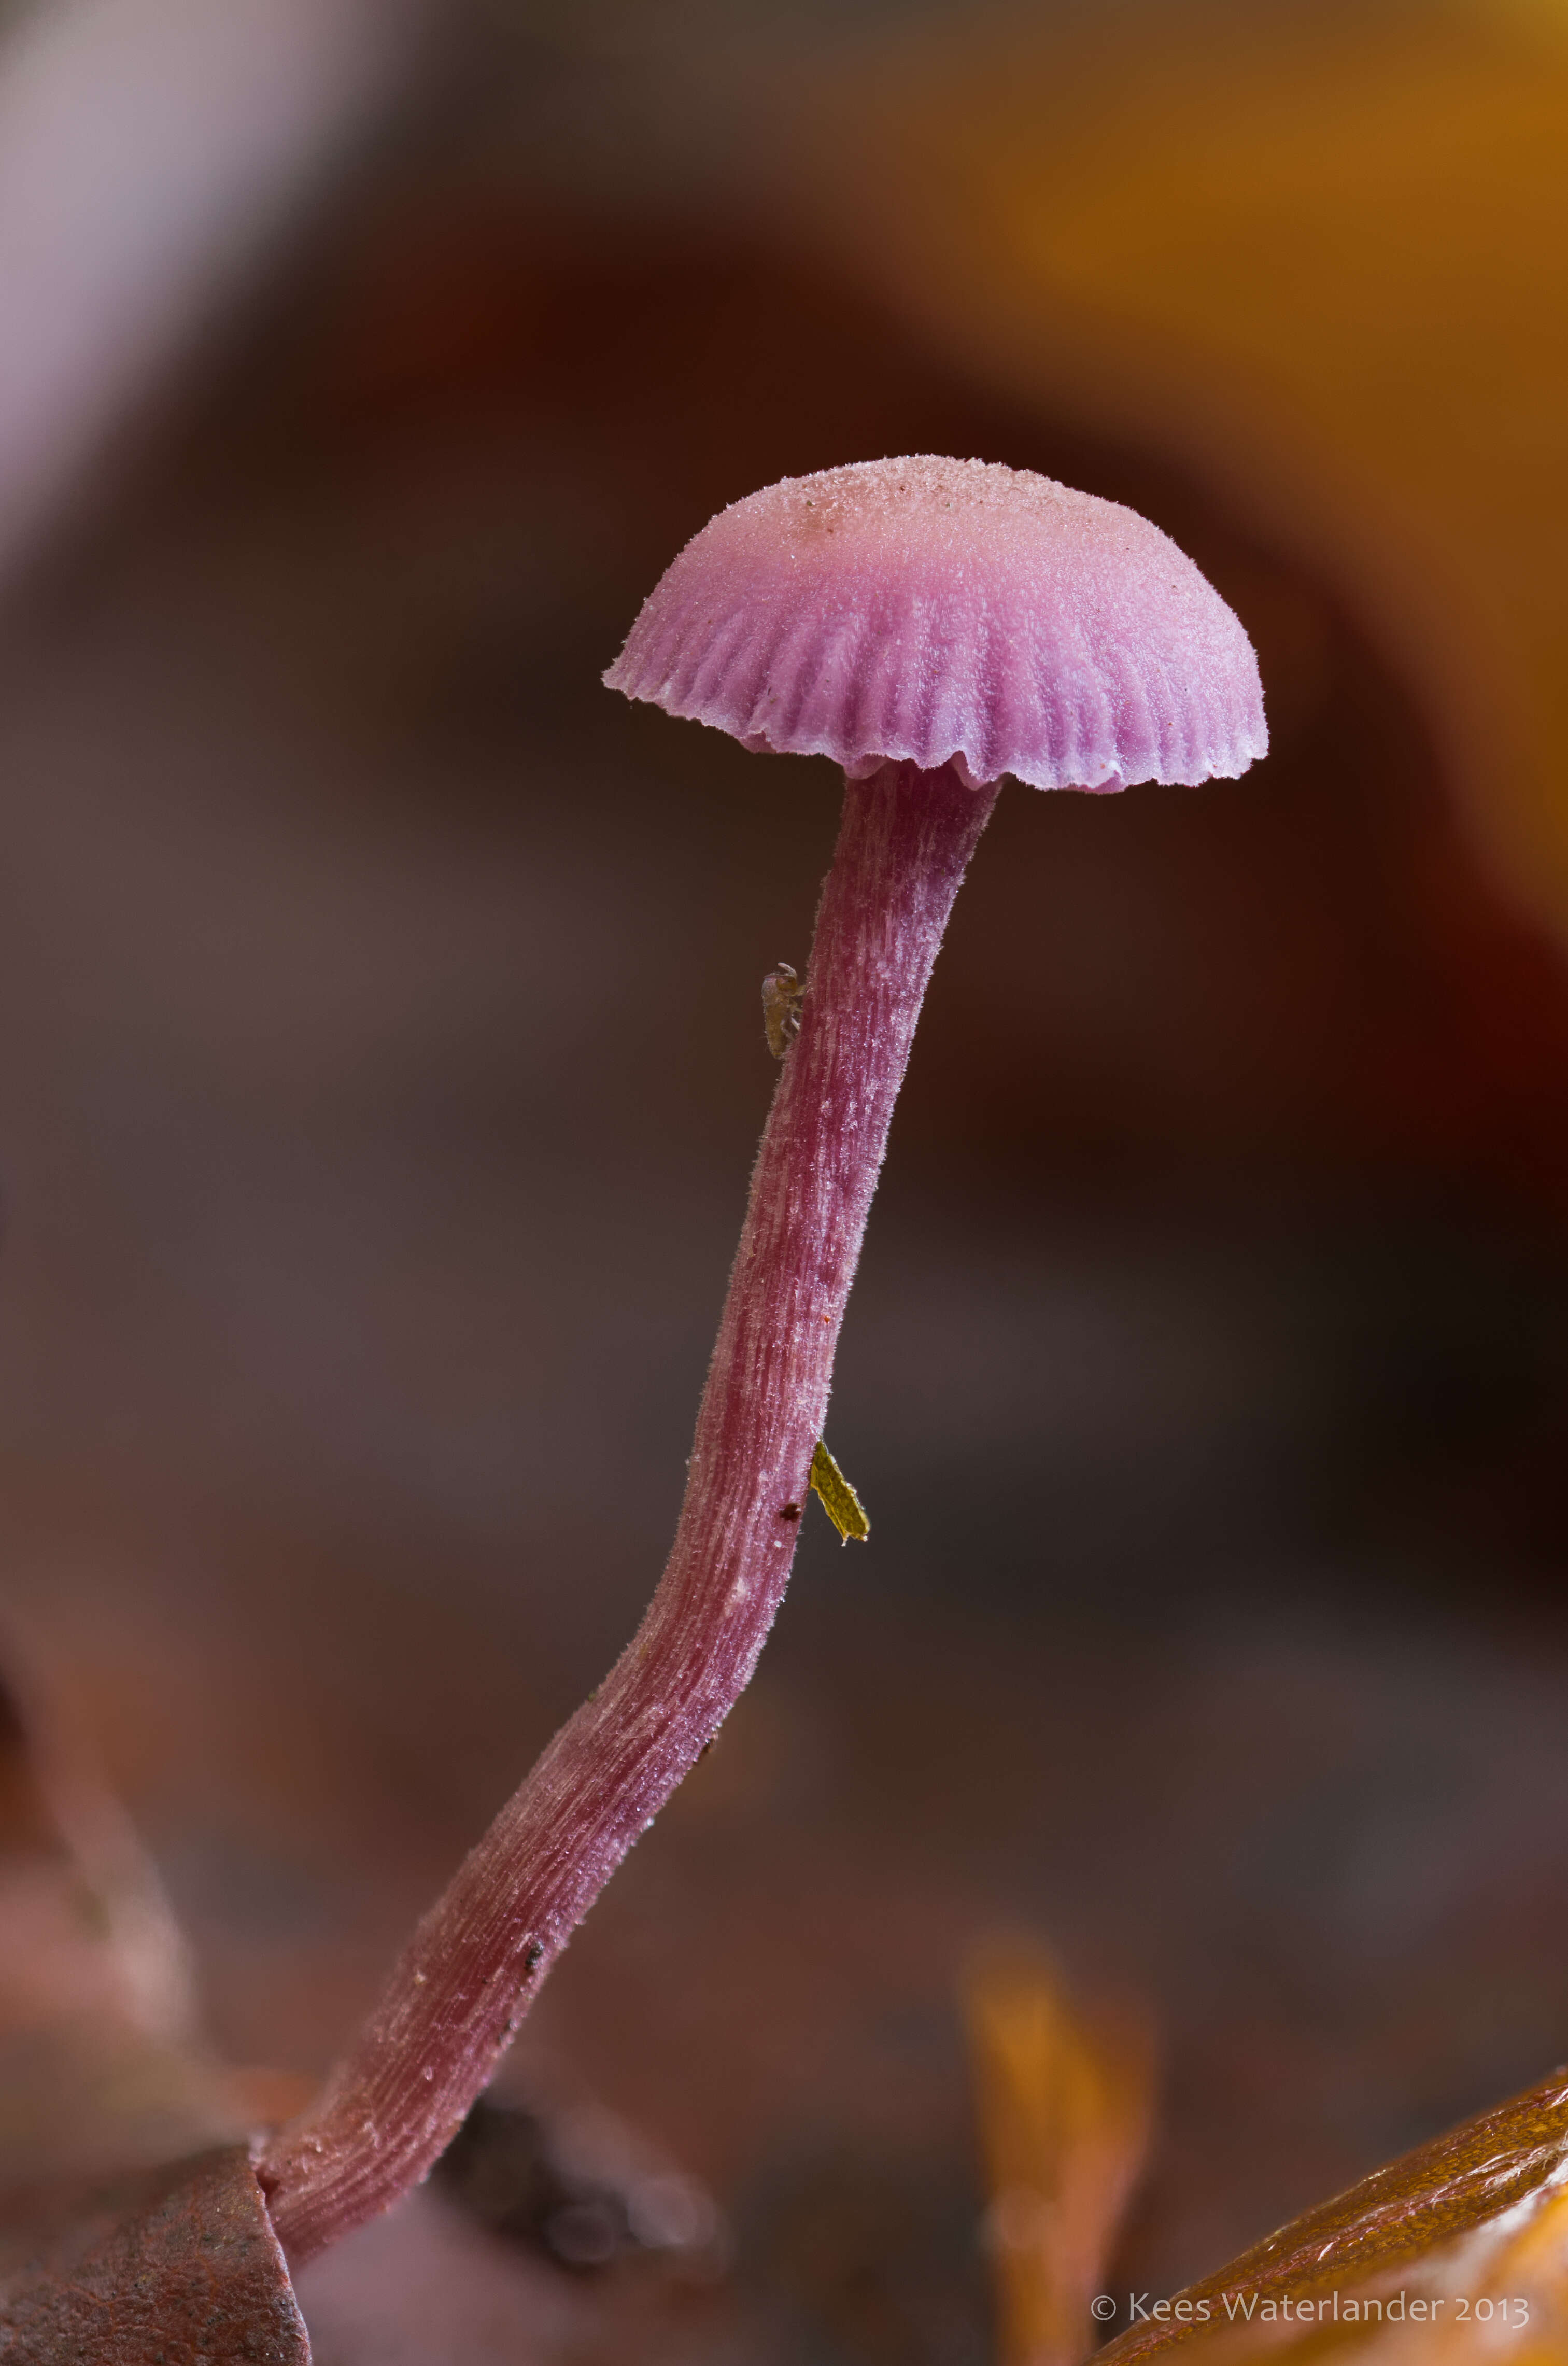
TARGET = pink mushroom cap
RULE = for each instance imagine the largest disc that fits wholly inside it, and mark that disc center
(934, 612)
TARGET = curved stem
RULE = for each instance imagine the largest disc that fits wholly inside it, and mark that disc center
(480, 1955)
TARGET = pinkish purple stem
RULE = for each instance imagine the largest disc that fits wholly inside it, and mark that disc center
(480, 1954)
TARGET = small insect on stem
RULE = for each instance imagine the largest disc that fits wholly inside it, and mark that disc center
(781, 995)
(837, 1497)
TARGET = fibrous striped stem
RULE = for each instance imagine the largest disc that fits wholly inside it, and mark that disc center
(478, 1957)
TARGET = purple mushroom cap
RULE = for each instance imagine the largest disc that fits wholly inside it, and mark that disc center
(934, 612)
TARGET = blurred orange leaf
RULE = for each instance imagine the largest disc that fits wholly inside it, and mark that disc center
(1064, 2111)
(1319, 253)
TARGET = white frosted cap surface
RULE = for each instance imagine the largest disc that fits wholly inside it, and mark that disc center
(925, 609)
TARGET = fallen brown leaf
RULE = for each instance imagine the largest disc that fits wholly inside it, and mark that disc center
(104, 2067)
(175, 2267)
(131, 2227)
(1402, 2261)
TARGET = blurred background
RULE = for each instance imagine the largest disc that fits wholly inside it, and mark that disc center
(383, 1060)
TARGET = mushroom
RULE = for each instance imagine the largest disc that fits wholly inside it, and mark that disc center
(931, 624)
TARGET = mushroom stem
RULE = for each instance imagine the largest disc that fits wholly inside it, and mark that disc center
(482, 1954)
